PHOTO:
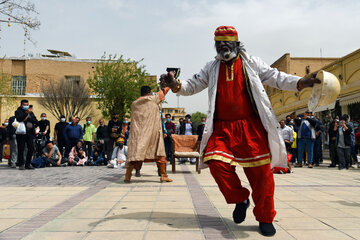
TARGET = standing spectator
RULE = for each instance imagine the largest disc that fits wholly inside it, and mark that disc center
(103, 136)
(181, 120)
(11, 137)
(306, 138)
(53, 155)
(77, 120)
(77, 155)
(89, 136)
(125, 129)
(353, 152)
(97, 156)
(332, 132)
(59, 134)
(187, 128)
(24, 114)
(170, 129)
(3, 136)
(114, 127)
(287, 134)
(344, 142)
(72, 133)
(318, 141)
(44, 126)
(288, 120)
(200, 128)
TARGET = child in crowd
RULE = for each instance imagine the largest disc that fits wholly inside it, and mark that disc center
(77, 155)
(118, 158)
(97, 156)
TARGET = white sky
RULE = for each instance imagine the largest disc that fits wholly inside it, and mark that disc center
(180, 33)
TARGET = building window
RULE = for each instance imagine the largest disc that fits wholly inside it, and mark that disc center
(18, 85)
(72, 79)
(170, 110)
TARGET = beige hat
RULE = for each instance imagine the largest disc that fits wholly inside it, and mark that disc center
(324, 93)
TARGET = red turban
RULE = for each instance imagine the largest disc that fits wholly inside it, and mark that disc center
(226, 33)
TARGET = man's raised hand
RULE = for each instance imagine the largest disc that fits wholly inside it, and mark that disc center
(307, 82)
(168, 80)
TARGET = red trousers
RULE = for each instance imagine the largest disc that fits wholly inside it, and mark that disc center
(261, 180)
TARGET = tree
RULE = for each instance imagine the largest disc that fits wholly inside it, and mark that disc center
(69, 98)
(20, 12)
(8, 100)
(116, 83)
(196, 118)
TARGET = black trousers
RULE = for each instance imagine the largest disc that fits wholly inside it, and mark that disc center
(53, 161)
(61, 145)
(21, 141)
(168, 149)
(69, 145)
(107, 149)
(88, 148)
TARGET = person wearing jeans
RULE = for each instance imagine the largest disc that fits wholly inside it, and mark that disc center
(306, 138)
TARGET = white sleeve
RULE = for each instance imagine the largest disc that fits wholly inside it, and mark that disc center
(197, 83)
(274, 78)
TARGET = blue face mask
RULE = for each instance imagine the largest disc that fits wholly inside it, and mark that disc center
(25, 107)
(168, 120)
(88, 122)
(126, 122)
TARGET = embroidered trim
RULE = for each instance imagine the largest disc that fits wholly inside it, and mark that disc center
(234, 163)
(239, 159)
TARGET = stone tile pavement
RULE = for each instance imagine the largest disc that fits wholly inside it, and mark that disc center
(94, 203)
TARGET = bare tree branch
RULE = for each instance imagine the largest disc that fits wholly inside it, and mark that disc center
(69, 98)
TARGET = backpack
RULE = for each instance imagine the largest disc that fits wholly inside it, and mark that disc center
(39, 162)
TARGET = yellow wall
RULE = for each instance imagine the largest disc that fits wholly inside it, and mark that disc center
(346, 69)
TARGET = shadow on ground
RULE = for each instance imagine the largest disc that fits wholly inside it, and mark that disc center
(181, 221)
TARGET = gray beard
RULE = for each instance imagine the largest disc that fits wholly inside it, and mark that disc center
(225, 56)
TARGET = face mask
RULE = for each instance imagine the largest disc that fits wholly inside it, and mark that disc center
(168, 120)
(291, 122)
(25, 107)
(88, 122)
(43, 118)
(6, 124)
(115, 118)
(120, 145)
(62, 119)
(126, 122)
(356, 124)
(312, 117)
(203, 123)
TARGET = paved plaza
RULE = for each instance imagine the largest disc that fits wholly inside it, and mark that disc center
(94, 203)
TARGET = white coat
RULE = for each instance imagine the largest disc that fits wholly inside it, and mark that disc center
(259, 73)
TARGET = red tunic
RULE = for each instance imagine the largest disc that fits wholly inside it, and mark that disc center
(239, 137)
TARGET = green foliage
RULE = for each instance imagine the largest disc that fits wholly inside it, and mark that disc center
(5, 84)
(196, 117)
(116, 83)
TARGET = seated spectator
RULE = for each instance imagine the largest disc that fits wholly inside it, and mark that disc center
(97, 156)
(77, 155)
(53, 155)
(118, 158)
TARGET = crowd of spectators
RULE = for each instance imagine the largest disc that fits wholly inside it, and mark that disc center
(32, 145)
(76, 145)
(305, 133)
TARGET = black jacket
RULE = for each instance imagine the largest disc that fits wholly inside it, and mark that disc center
(102, 132)
(347, 135)
(183, 128)
(30, 123)
(10, 128)
(200, 130)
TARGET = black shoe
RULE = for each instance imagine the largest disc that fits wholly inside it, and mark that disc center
(239, 213)
(267, 229)
(331, 165)
(22, 167)
(29, 167)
